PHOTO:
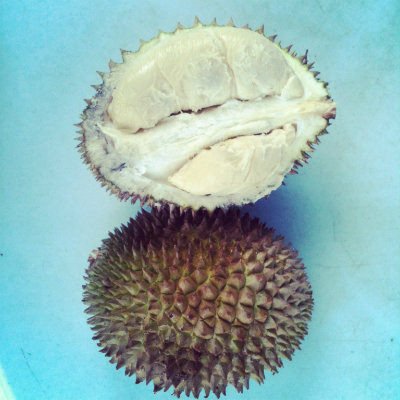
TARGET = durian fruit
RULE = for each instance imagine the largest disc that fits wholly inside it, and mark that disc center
(207, 116)
(197, 300)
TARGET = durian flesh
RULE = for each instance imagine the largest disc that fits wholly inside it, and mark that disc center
(197, 301)
(204, 117)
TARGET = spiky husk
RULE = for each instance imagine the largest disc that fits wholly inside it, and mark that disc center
(148, 199)
(197, 301)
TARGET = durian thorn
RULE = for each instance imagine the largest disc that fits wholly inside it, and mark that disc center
(179, 27)
(214, 21)
(79, 125)
(142, 42)
(95, 87)
(272, 38)
(298, 163)
(87, 101)
(316, 73)
(293, 172)
(303, 59)
(261, 29)
(123, 54)
(230, 22)
(245, 26)
(101, 74)
(196, 21)
(288, 48)
(112, 64)
(311, 65)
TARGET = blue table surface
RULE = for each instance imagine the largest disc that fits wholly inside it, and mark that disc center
(341, 212)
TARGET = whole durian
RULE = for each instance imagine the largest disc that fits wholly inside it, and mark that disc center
(209, 116)
(196, 300)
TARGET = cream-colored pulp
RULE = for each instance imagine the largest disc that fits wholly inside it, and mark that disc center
(207, 117)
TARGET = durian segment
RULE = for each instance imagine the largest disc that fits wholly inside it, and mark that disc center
(196, 69)
(197, 301)
(253, 160)
(148, 129)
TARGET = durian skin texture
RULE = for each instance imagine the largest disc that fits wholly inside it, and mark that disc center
(196, 300)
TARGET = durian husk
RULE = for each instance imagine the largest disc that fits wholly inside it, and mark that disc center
(148, 199)
(197, 301)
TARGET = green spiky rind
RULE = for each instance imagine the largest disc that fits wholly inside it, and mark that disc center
(145, 198)
(196, 300)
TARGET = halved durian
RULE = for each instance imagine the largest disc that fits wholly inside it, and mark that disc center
(208, 116)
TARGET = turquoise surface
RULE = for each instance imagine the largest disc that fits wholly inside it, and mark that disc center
(341, 212)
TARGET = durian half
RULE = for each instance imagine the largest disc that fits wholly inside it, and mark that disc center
(197, 301)
(209, 116)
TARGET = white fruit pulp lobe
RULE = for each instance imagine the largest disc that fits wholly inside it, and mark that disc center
(195, 69)
(237, 84)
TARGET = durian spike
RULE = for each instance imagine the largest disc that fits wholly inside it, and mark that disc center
(123, 54)
(230, 22)
(112, 65)
(303, 58)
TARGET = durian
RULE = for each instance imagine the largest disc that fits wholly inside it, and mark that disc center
(208, 116)
(197, 300)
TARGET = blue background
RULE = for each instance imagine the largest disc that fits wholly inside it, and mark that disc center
(341, 212)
